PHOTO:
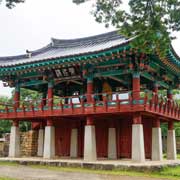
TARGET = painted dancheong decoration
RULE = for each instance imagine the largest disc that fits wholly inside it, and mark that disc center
(100, 99)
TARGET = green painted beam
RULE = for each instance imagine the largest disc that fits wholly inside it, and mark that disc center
(33, 83)
(112, 73)
(152, 78)
(116, 78)
(163, 84)
(30, 74)
(147, 76)
(154, 66)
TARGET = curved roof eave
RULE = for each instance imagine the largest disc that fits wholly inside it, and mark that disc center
(65, 48)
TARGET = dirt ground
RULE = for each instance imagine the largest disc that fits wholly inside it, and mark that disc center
(28, 173)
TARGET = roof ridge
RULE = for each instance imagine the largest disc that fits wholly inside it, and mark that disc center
(100, 38)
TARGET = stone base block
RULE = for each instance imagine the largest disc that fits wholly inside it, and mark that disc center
(40, 142)
(90, 144)
(112, 149)
(14, 146)
(49, 142)
(138, 154)
(74, 143)
(157, 154)
(171, 145)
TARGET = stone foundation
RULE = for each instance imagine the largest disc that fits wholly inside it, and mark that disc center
(4, 146)
(29, 143)
(1, 149)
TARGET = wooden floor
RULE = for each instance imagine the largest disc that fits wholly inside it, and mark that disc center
(162, 109)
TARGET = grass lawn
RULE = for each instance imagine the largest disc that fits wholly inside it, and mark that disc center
(178, 156)
(171, 173)
(5, 178)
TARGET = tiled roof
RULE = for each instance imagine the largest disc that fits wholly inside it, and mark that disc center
(63, 48)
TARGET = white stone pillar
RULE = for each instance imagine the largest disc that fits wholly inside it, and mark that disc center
(138, 154)
(74, 143)
(112, 150)
(90, 143)
(49, 142)
(171, 145)
(14, 146)
(40, 142)
(157, 154)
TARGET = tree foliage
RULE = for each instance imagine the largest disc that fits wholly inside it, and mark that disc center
(11, 3)
(26, 95)
(152, 22)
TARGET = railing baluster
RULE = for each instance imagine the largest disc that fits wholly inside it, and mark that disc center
(105, 102)
(32, 107)
(71, 104)
(118, 102)
(42, 105)
(93, 103)
(7, 109)
(23, 107)
(145, 100)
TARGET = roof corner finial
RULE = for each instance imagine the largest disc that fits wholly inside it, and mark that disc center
(28, 53)
(52, 41)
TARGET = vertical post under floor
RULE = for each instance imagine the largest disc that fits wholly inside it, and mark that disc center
(112, 149)
(14, 146)
(40, 142)
(74, 143)
(157, 153)
(171, 142)
(138, 151)
(49, 141)
(90, 153)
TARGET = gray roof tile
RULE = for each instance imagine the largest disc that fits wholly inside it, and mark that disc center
(62, 48)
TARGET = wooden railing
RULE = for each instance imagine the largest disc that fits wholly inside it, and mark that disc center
(100, 103)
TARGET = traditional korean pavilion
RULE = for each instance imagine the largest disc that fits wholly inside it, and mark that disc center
(99, 99)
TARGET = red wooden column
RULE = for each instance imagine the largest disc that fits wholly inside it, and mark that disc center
(170, 99)
(89, 89)
(89, 119)
(90, 153)
(50, 95)
(17, 96)
(136, 86)
(44, 98)
(155, 95)
(171, 142)
(14, 147)
(15, 123)
(155, 91)
(155, 87)
(138, 151)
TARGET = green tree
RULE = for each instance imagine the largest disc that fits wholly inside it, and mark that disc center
(4, 124)
(152, 22)
(26, 96)
(11, 3)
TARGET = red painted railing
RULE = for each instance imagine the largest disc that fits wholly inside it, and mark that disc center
(103, 103)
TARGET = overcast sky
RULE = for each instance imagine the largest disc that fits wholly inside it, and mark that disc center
(31, 26)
